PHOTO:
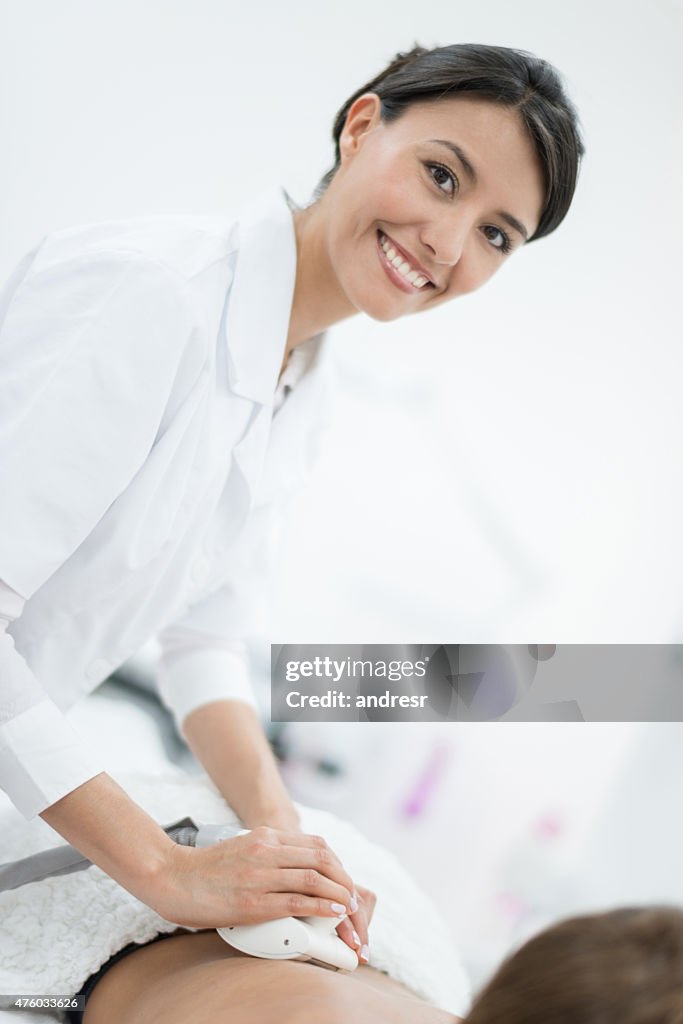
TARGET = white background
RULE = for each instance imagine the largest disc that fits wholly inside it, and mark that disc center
(503, 469)
(507, 463)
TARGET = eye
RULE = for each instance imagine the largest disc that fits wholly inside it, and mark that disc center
(441, 174)
(504, 244)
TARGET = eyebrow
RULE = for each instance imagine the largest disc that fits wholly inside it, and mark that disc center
(462, 157)
(513, 222)
(472, 175)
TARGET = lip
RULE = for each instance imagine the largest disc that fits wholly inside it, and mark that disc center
(392, 271)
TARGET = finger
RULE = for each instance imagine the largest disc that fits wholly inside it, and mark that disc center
(278, 837)
(310, 882)
(323, 852)
(270, 837)
(359, 922)
(348, 934)
(321, 859)
(368, 899)
(288, 904)
(287, 837)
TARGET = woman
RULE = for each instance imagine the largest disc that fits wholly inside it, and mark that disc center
(144, 445)
(621, 967)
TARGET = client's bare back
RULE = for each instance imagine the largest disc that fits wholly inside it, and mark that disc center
(197, 977)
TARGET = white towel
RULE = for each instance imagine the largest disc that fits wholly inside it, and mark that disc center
(57, 932)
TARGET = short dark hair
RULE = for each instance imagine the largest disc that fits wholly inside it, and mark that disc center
(511, 78)
(620, 967)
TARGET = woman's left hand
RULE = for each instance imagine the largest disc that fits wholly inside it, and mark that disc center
(354, 928)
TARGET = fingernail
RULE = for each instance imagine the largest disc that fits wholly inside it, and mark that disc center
(353, 904)
(339, 909)
(356, 938)
(365, 953)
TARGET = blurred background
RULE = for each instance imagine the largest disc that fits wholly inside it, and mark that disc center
(505, 469)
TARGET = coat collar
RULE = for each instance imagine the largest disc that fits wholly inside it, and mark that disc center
(261, 297)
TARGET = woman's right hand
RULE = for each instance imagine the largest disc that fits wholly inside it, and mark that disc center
(260, 876)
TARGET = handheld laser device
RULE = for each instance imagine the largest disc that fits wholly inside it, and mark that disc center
(288, 938)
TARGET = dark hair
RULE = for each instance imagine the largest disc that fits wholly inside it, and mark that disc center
(620, 967)
(511, 78)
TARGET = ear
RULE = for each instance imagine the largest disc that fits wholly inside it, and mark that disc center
(363, 117)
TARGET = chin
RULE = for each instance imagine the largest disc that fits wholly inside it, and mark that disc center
(383, 317)
(377, 307)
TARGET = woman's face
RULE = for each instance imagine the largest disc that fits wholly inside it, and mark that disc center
(452, 187)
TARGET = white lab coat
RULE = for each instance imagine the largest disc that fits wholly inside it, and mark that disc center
(140, 462)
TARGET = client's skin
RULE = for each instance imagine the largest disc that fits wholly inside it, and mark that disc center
(196, 976)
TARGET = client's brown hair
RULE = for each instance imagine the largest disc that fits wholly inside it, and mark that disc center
(620, 967)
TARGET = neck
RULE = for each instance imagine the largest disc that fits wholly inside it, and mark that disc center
(318, 300)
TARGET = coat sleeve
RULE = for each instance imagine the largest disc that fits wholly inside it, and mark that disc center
(42, 756)
(204, 654)
(89, 350)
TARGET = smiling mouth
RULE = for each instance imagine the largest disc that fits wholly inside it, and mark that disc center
(399, 269)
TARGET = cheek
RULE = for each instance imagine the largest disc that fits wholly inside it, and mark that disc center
(473, 273)
(389, 194)
(475, 283)
(469, 275)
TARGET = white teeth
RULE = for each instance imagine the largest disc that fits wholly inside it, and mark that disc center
(396, 259)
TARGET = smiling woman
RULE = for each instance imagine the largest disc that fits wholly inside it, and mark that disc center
(145, 451)
(446, 163)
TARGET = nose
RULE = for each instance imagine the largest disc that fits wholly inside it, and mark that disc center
(445, 239)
